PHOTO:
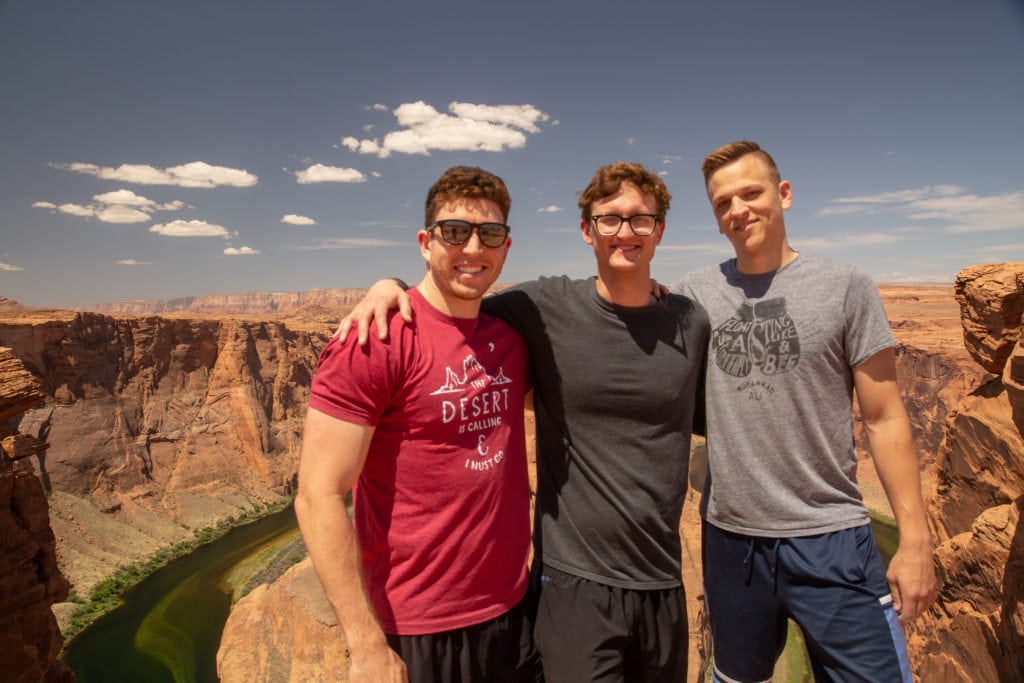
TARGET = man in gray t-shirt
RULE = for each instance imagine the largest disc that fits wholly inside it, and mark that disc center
(785, 531)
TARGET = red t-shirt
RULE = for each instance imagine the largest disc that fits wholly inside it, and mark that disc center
(441, 508)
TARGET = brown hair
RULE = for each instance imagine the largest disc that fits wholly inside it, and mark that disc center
(608, 180)
(726, 154)
(466, 182)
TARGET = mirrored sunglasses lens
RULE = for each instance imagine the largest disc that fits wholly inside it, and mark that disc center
(456, 232)
(492, 234)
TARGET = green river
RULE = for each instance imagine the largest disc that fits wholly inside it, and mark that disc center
(170, 624)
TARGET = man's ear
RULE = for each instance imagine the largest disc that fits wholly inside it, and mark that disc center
(786, 194)
(585, 229)
(423, 237)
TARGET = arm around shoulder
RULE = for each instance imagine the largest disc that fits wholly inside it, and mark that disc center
(374, 306)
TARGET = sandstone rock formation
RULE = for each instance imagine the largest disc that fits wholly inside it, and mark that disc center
(30, 582)
(975, 630)
(285, 631)
(158, 427)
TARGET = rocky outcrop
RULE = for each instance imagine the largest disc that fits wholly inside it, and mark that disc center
(158, 427)
(285, 631)
(975, 629)
(30, 582)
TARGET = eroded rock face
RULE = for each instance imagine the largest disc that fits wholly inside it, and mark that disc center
(285, 631)
(975, 629)
(30, 581)
(158, 427)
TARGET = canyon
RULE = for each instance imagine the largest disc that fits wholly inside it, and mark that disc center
(153, 420)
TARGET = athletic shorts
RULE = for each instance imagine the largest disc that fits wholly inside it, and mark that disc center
(587, 631)
(832, 585)
(500, 650)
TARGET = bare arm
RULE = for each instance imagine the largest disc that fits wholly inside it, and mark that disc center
(333, 454)
(911, 571)
(380, 298)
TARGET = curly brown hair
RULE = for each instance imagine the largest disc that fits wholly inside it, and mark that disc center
(726, 154)
(608, 180)
(466, 182)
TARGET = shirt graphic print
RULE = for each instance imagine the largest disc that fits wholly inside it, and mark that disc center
(475, 399)
(760, 335)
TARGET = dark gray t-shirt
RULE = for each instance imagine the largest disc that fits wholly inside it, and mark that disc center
(615, 399)
(782, 460)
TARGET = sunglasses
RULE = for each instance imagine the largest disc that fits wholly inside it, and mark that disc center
(458, 232)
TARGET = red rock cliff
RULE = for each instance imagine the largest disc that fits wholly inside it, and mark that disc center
(158, 427)
(975, 630)
(30, 582)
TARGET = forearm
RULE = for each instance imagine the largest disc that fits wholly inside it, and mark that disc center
(892, 450)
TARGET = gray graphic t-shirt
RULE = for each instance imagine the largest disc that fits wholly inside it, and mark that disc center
(782, 460)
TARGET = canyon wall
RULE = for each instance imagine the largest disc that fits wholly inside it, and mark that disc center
(975, 629)
(30, 582)
(242, 303)
(158, 427)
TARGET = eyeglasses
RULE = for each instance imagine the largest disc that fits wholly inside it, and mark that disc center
(458, 232)
(642, 224)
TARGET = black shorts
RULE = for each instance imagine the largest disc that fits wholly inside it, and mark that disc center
(832, 585)
(500, 650)
(588, 631)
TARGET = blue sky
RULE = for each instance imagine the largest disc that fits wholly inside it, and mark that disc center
(151, 150)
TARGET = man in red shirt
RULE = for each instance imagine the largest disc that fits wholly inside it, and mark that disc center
(426, 428)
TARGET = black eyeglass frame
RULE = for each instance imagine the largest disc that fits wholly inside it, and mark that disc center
(628, 220)
(479, 227)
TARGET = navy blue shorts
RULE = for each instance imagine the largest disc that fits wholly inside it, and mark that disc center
(832, 585)
(500, 650)
(589, 631)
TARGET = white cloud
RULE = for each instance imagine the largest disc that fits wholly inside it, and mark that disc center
(8, 266)
(295, 219)
(244, 251)
(124, 198)
(549, 209)
(122, 214)
(119, 206)
(190, 229)
(960, 211)
(318, 173)
(842, 240)
(468, 127)
(133, 262)
(193, 174)
(77, 210)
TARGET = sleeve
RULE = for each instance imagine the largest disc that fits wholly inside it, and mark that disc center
(867, 326)
(354, 383)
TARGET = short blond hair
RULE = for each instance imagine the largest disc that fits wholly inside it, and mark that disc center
(726, 154)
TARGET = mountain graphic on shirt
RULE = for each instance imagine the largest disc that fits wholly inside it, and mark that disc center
(473, 373)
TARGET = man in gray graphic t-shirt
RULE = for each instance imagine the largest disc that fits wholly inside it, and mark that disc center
(785, 531)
